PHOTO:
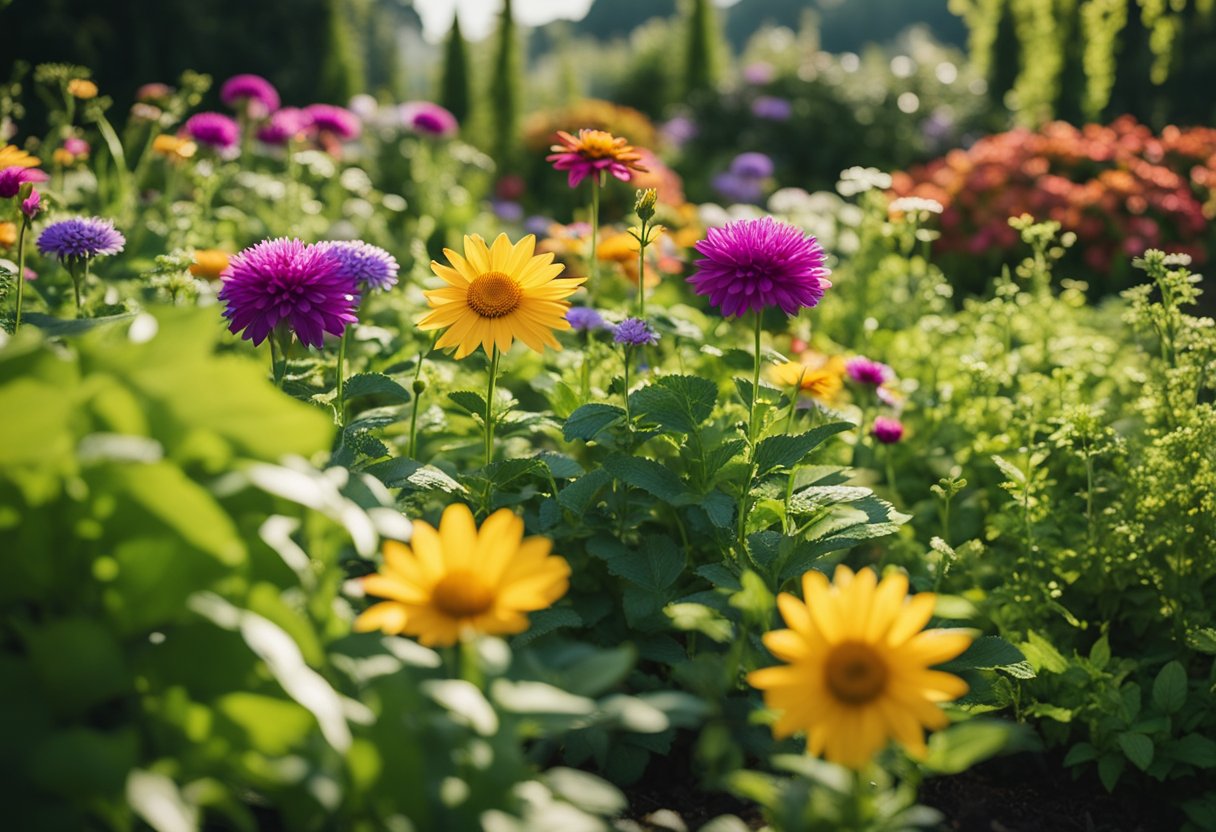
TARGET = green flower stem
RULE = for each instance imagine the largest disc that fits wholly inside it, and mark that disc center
(417, 389)
(585, 369)
(593, 258)
(470, 663)
(752, 429)
(73, 266)
(642, 272)
(625, 394)
(342, 375)
(114, 144)
(494, 357)
(889, 457)
(278, 364)
(25, 227)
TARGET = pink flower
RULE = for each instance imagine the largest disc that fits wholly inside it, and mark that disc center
(12, 178)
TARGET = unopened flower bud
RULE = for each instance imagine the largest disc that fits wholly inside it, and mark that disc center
(646, 199)
(419, 386)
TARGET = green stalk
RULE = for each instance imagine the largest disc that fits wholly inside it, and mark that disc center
(593, 264)
(342, 375)
(751, 440)
(278, 366)
(642, 272)
(25, 226)
(490, 405)
(417, 389)
(628, 419)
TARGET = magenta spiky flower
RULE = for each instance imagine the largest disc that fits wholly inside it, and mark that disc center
(215, 130)
(253, 93)
(284, 125)
(887, 430)
(285, 283)
(756, 264)
(365, 265)
(80, 238)
(429, 119)
(867, 371)
(335, 121)
(12, 178)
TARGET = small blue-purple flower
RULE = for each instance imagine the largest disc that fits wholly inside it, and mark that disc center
(772, 108)
(287, 283)
(368, 267)
(752, 165)
(634, 332)
(585, 319)
(80, 238)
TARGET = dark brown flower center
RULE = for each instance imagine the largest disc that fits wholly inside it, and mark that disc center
(462, 594)
(494, 294)
(856, 673)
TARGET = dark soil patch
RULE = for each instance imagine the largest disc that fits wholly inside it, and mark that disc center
(1034, 793)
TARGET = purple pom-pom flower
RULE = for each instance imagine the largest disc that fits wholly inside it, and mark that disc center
(283, 126)
(254, 93)
(368, 267)
(887, 430)
(634, 332)
(285, 283)
(337, 122)
(215, 130)
(80, 238)
(866, 371)
(755, 264)
(585, 319)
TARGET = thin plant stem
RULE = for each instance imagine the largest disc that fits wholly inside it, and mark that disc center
(789, 420)
(625, 394)
(495, 355)
(416, 389)
(642, 272)
(25, 226)
(585, 369)
(342, 375)
(278, 365)
(751, 440)
(593, 259)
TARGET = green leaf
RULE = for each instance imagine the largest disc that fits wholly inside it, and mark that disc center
(272, 726)
(474, 404)
(560, 466)
(78, 663)
(546, 621)
(586, 791)
(80, 763)
(589, 420)
(1015, 474)
(719, 508)
(724, 453)
(1203, 640)
(965, 744)
(1110, 768)
(784, 451)
(656, 568)
(1169, 688)
(578, 495)
(720, 575)
(1194, 749)
(508, 471)
(650, 476)
(992, 653)
(699, 618)
(678, 404)
(1138, 748)
(59, 327)
(1042, 655)
(413, 476)
(375, 384)
(1079, 754)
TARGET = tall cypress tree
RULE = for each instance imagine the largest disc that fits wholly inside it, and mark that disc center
(341, 68)
(454, 89)
(701, 65)
(506, 89)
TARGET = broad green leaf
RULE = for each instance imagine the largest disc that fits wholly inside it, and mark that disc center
(560, 466)
(1110, 769)
(586, 791)
(413, 476)
(578, 495)
(650, 476)
(514, 472)
(589, 420)
(992, 653)
(1194, 749)
(678, 404)
(546, 621)
(654, 568)
(375, 384)
(474, 404)
(1170, 687)
(81, 763)
(1138, 748)
(78, 662)
(965, 744)
(1203, 640)
(783, 451)
(1042, 655)
(271, 725)
(699, 618)
(1080, 753)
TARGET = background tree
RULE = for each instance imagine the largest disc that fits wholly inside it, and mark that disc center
(506, 89)
(702, 55)
(455, 91)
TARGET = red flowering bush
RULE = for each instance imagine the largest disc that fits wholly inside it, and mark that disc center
(1120, 188)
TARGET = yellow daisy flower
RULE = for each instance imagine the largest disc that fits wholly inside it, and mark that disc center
(496, 294)
(819, 375)
(858, 671)
(12, 156)
(459, 581)
(174, 147)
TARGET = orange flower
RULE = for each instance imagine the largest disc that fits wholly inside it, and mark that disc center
(209, 263)
(82, 89)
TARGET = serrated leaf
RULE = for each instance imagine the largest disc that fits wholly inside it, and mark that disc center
(412, 475)
(720, 509)
(719, 575)
(588, 420)
(546, 621)
(1015, 474)
(656, 568)
(1042, 655)
(650, 476)
(375, 384)
(577, 496)
(508, 471)
(560, 466)
(1194, 749)
(777, 452)
(1169, 688)
(724, 453)
(1138, 748)
(474, 404)
(992, 653)
(678, 404)
(812, 499)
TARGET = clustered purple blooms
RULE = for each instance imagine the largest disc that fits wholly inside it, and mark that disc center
(283, 126)
(772, 108)
(81, 238)
(286, 282)
(337, 121)
(755, 264)
(215, 130)
(866, 371)
(252, 92)
(429, 119)
(368, 267)
(634, 332)
(585, 319)
(12, 178)
(887, 430)
(744, 181)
